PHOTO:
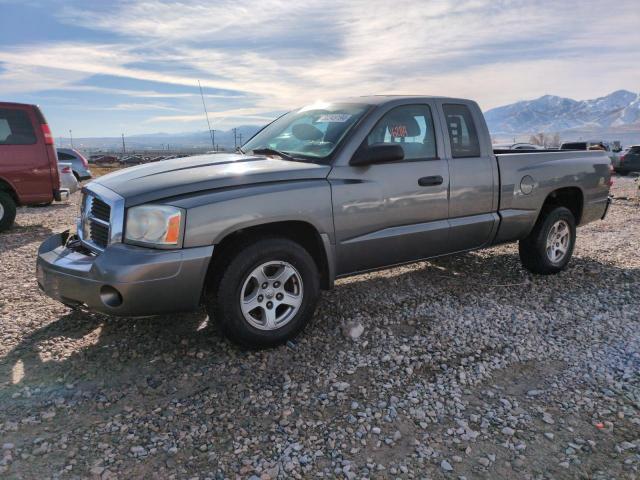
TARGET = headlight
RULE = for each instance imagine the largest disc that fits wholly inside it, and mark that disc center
(154, 225)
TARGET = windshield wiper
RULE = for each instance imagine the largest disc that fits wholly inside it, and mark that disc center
(271, 151)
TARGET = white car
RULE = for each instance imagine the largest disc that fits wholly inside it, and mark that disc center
(68, 180)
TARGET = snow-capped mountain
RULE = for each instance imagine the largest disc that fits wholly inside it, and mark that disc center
(619, 110)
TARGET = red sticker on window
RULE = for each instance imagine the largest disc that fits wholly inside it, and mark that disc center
(398, 131)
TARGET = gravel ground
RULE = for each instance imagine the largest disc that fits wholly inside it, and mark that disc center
(463, 367)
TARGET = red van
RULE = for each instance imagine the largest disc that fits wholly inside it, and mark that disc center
(28, 161)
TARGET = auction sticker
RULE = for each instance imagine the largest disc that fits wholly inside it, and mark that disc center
(333, 118)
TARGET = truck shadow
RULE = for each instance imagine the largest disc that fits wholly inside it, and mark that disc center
(21, 235)
(77, 355)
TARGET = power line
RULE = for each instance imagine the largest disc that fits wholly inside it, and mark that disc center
(206, 114)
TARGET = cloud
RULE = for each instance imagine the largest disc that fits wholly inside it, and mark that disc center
(273, 55)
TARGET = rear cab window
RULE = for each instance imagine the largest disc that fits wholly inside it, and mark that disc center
(463, 135)
(16, 127)
(411, 127)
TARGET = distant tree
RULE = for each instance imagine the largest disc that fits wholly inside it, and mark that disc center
(537, 139)
(545, 140)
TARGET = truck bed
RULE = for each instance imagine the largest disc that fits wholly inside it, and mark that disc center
(546, 171)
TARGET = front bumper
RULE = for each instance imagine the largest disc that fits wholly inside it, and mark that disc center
(124, 280)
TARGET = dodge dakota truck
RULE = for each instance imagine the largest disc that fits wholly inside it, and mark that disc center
(325, 191)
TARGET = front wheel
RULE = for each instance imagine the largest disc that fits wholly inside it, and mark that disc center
(549, 246)
(265, 294)
(7, 211)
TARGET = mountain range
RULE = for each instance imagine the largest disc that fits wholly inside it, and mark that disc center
(618, 112)
(613, 117)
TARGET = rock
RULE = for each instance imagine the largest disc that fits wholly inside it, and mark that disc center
(446, 466)
(341, 386)
(138, 450)
(97, 470)
(353, 330)
(547, 418)
(534, 393)
(484, 461)
(508, 431)
(549, 435)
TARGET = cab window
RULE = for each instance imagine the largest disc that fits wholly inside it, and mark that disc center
(463, 135)
(410, 126)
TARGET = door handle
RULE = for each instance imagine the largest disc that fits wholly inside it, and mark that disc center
(430, 181)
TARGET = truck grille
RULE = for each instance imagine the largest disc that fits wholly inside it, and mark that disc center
(101, 218)
(95, 219)
(100, 210)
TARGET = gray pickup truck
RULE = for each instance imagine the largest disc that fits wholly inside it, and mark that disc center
(325, 191)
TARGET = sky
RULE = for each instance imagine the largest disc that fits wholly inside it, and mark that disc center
(102, 68)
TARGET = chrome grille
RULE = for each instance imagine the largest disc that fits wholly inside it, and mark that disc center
(100, 210)
(101, 218)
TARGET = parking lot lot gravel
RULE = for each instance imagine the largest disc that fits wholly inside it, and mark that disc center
(460, 367)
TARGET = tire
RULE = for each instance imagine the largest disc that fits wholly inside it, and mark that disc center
(539, 256)
(281, 310)
(7, 211)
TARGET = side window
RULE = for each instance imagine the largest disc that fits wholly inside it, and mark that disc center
(16, 128)
(411, 127)
(462, 131)
(64, 156)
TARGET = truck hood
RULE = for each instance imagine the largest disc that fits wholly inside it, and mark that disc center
(170, 178)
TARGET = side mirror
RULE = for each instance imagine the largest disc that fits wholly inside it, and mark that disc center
(378, 153)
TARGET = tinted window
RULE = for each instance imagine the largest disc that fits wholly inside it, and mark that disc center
(65, 156)
(634, 150)
(574, 146)
(15, 128)
(462, 131)
(411, 127)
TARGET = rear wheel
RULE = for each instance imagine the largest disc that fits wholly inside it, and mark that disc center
(265, 294)
(7, 211)
(549, 247)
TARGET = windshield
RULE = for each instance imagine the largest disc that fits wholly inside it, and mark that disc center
(312, 132)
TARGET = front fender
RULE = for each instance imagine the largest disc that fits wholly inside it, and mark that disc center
(214, 215)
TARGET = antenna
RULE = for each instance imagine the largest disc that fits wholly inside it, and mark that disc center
(206, 114)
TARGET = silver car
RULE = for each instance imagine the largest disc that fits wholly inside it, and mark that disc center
(79, 164)
(68, 180)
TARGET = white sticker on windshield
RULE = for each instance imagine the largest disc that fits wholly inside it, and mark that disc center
(333, 118)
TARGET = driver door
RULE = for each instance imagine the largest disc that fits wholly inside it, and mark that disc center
(396, 212)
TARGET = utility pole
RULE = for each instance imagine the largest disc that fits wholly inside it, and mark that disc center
(213, 139)
(240, 139)
(235, 139)
(206, 114)
(124, 149)
(71, 137)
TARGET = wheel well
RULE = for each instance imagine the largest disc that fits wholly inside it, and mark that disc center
(300, 232)
(569, 197)
(5, 187)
